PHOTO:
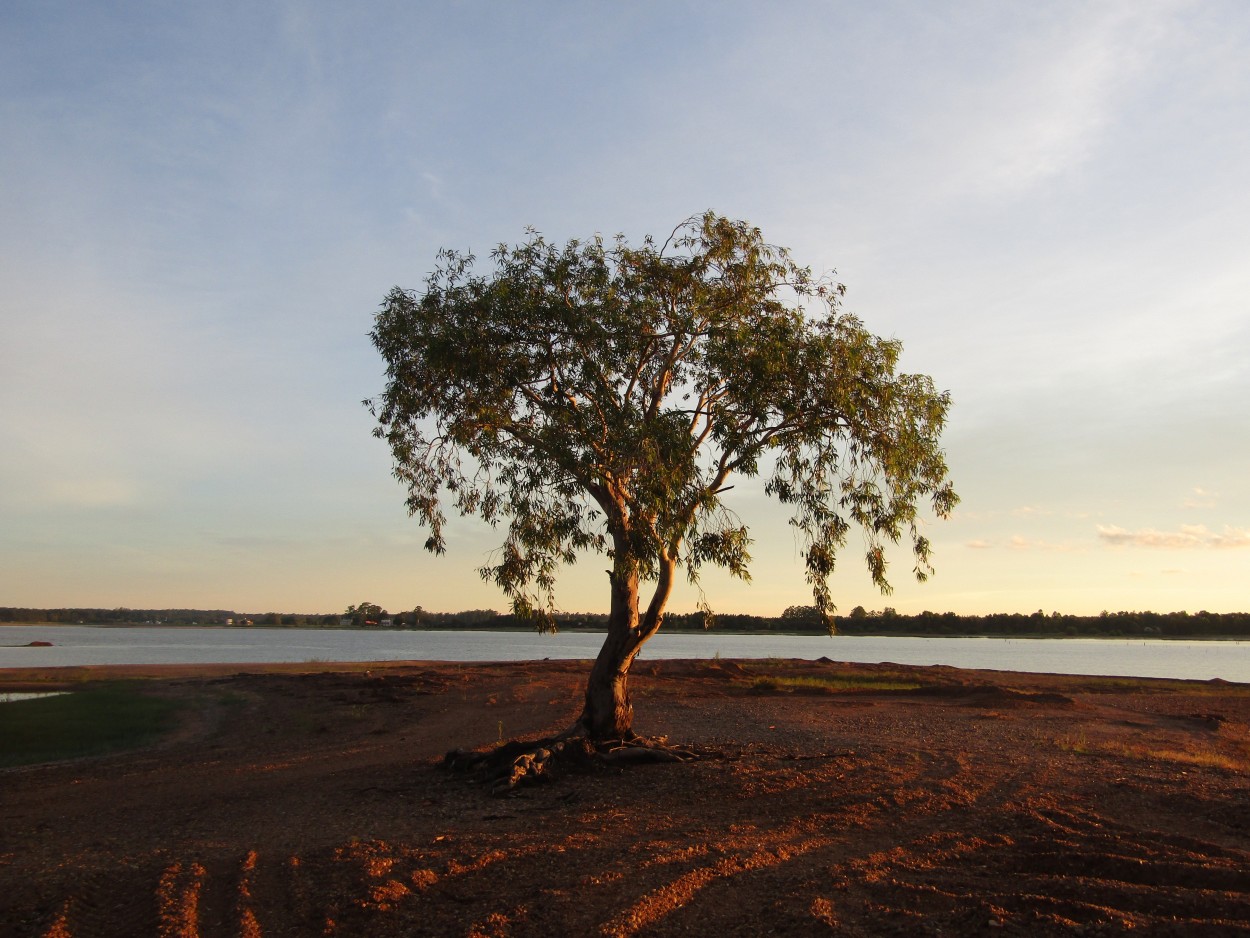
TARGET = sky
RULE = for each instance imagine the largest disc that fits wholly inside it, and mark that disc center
(202, 206)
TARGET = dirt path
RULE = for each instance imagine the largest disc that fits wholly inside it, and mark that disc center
(311, 804)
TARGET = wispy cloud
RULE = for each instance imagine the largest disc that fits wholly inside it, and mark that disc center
(92, 492)
(1027, 543)
(1030, 511)
(1054, 112)
(1187, 537)
(1018, 543)
(1200, 498)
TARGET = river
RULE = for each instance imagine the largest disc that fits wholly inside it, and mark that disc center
(84, 645)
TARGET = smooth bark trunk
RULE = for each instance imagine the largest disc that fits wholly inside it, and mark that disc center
(608, 713)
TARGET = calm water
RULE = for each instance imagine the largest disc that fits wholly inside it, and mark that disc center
(15, 696)
(78, 645)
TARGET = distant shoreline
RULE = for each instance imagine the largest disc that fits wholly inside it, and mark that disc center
(794, 620)
(582, 630)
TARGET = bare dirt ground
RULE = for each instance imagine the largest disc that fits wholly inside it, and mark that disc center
(296, 803)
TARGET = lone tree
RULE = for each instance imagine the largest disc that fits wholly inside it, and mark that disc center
(600, 397)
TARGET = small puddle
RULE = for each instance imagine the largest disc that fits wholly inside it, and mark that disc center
(15, 696)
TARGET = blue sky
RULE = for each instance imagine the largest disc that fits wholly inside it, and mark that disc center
(202, 206)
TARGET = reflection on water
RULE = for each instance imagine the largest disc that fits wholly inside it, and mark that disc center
(15, 696)
(86, 645)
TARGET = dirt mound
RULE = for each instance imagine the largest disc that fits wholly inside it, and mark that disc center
(313, 804)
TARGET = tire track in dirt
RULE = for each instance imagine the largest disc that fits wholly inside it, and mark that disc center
(178, 901)
(868, 816)
(846, 865)
(249, 926)
(858, 837)
(925, 785)
(101, 902)
(1094, 873)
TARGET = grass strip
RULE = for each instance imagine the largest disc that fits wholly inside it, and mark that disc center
(97, 719)
(837, 683)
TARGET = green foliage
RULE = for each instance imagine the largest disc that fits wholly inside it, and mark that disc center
(597, 396)
(98, 719)
(802, 617)
(365, 613)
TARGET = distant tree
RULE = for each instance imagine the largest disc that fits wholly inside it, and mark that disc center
(365, 613)
(600, 397)
(802, 617)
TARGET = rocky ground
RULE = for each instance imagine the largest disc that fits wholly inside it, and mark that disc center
(297, 802)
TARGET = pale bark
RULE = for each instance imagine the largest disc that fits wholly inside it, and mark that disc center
(608, 713)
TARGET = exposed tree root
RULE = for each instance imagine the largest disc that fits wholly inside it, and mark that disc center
(522, 762)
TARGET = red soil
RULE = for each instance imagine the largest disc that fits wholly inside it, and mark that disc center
(293, 803)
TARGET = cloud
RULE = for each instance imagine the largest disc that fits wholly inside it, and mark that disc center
(92, 492)
(1023, 543)
(1188, 537)
(1200, 498)
(1055, 112)
(1017, 542)
(1031, 511)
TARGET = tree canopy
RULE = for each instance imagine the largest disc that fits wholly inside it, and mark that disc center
(598, 396)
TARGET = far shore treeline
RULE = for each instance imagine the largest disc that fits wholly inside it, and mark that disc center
(796, 620)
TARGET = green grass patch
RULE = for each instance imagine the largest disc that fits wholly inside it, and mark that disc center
(1130, 685)
(834, 683)
(97, 719)
(1073, 742)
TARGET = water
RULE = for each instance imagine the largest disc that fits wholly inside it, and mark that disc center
(83, 645)
(15, 696)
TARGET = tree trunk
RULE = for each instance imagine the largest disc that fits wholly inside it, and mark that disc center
(607, 713)
(607, 717)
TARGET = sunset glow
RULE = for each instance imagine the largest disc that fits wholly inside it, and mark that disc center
(203, 206)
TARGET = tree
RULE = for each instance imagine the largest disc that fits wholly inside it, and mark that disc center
(802, 617)
(365, 614)
(600, 397)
